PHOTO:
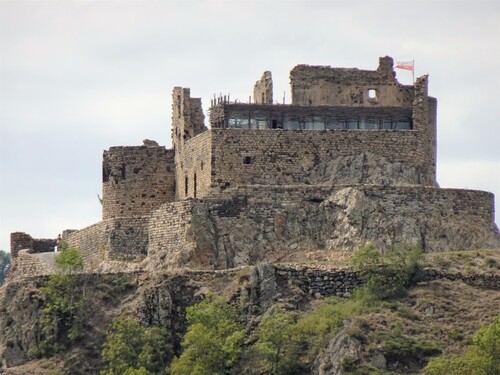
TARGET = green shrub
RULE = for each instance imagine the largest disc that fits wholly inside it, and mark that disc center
(387, 275)
(134, 350)
(482, 358)
(213, 341)
(397, 345)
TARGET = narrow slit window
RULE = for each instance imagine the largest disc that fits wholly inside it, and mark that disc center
(194, 185)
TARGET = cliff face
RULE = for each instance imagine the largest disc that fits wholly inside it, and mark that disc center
(443, 297)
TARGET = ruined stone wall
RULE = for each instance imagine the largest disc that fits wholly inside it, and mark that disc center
(196, 167)
(265, 223)
(424, 122)
(136, 180)
(187, 123)
(21, 241)
(263, 89)
(28, 265)
(124, 239)
(170, 235)
(273, 156)
(323, 85)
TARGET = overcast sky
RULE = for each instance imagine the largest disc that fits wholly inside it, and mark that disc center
(78, 77)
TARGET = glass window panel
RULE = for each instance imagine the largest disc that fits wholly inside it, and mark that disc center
(403, 124)
(386, 124)
(371, 123)
(308, 123)
(352, 124)
(244, 123)
(292, 124)
(261, 124)
(336, 123)
(319, 125)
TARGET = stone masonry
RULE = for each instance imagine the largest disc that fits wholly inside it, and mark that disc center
(351, 160)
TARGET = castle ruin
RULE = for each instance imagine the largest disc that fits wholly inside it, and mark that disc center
(351, 160)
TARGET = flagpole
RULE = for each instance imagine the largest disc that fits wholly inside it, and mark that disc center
(413, 71)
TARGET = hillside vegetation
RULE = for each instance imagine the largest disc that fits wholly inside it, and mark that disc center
(230, 322)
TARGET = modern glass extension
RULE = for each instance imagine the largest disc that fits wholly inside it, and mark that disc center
(311, 118)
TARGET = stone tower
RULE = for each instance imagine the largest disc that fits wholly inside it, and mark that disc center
(187, 122)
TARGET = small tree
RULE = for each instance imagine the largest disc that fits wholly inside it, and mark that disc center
(4, 266)
(134, 350)
(213, 341)
(64, 313)
(274, 339)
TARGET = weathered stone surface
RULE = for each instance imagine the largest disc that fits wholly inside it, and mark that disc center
(339, 349)
(249, 225)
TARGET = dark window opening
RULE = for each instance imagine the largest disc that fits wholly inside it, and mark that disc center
(122, 171)
(195, 185)
(247, 160)
(201, 165)
(276, 124)
(186, 186)
(179, 105)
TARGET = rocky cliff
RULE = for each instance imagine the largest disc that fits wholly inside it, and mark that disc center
(444, 298)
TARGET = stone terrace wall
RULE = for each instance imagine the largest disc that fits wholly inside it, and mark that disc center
(136, 180)
(253, 224)
(280, 157)
(319, 282)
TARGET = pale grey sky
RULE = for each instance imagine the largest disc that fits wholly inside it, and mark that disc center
(77, 77)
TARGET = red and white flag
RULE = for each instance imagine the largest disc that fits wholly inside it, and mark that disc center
(406, 65)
